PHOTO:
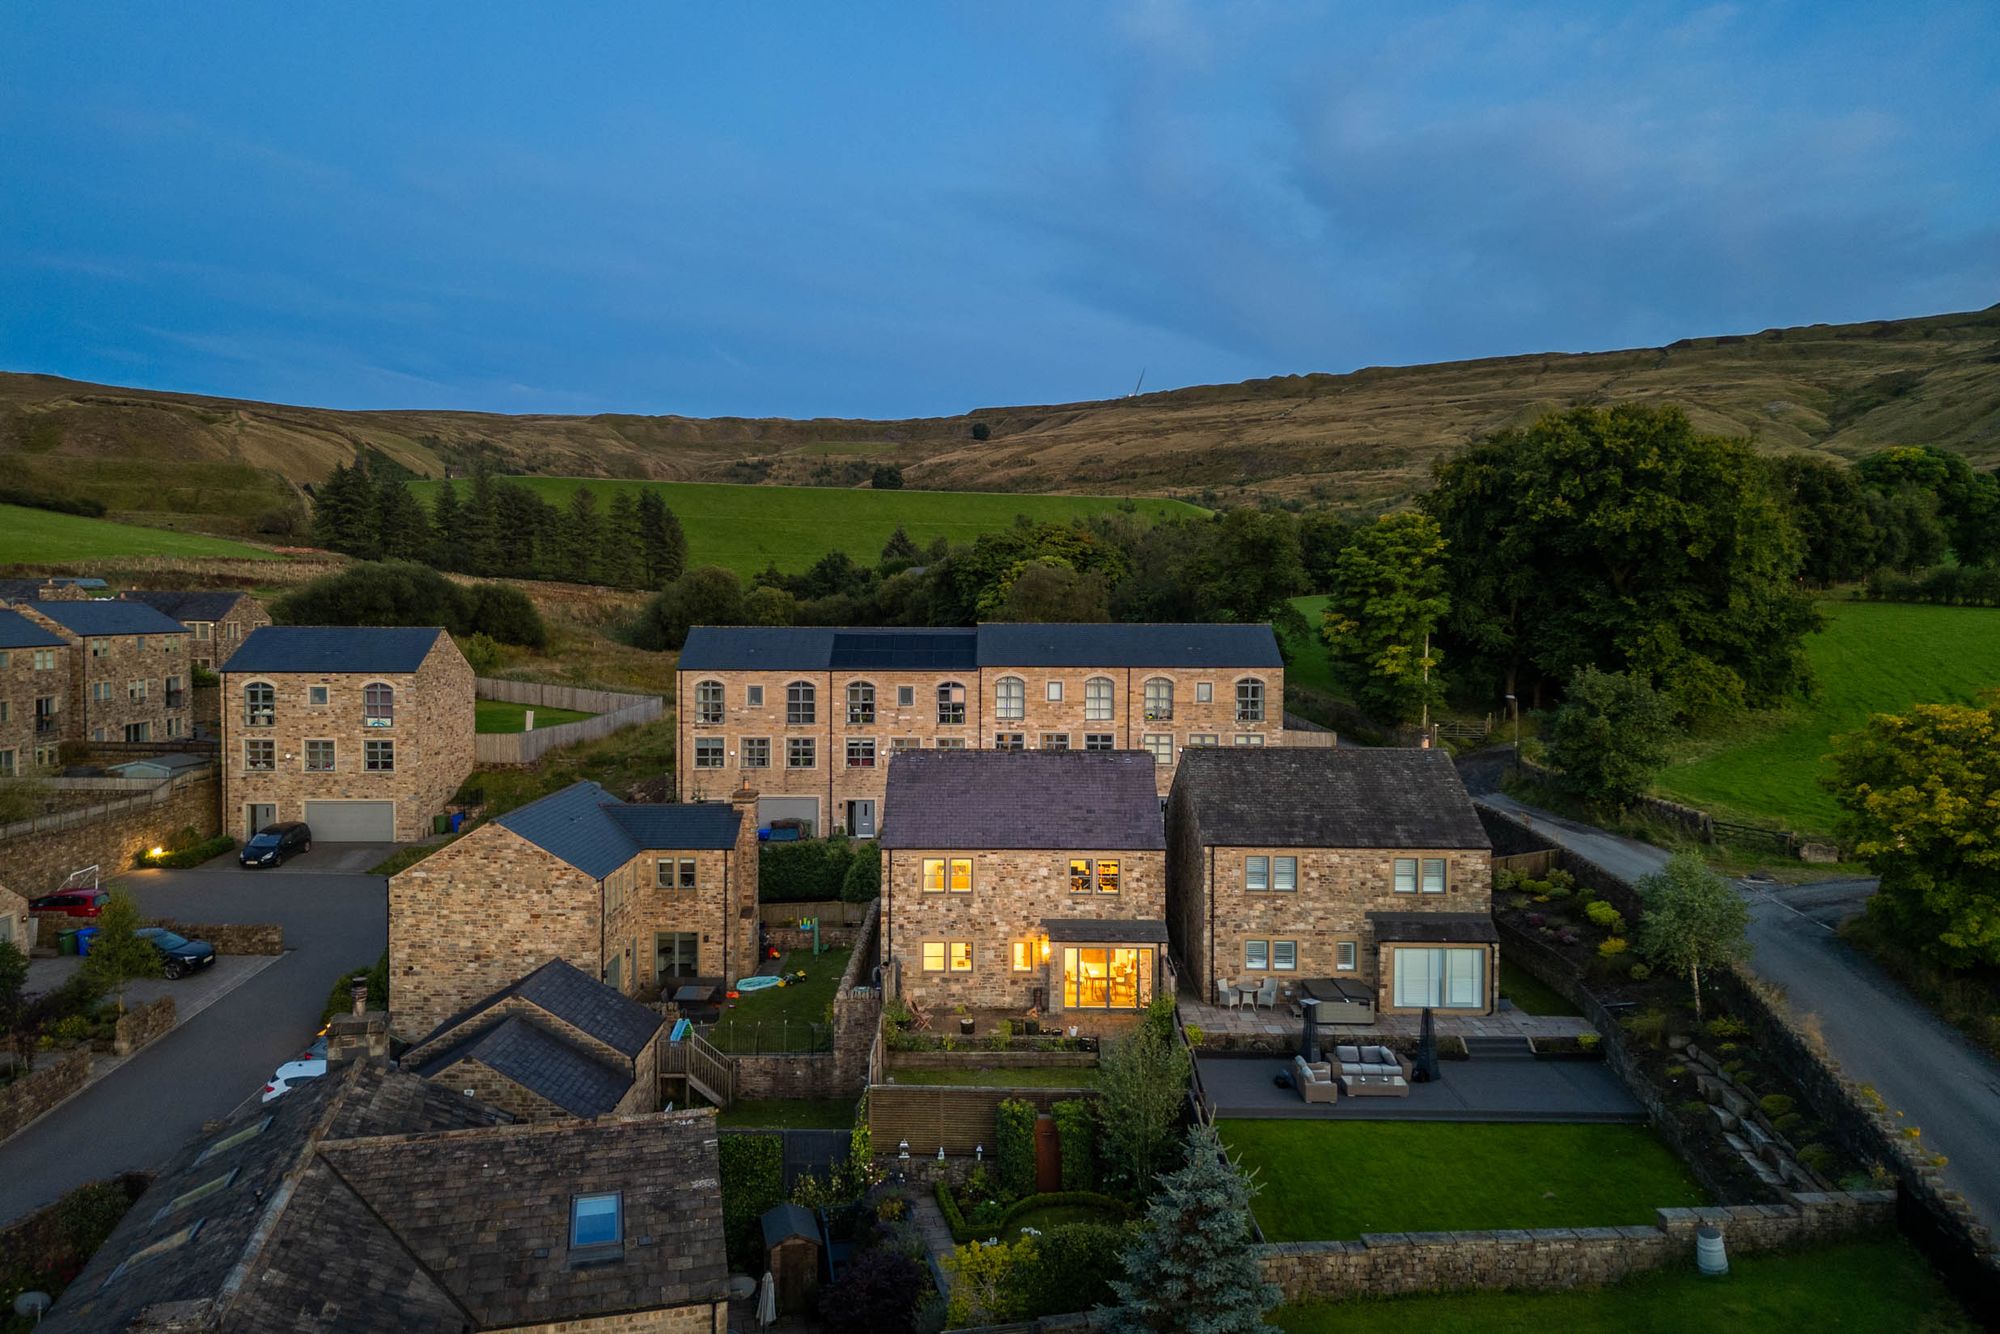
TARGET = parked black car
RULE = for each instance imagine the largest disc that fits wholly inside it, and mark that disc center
(182, 956)
(275, 842)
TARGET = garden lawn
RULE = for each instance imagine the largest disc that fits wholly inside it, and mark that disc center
(1307, 663)
(788, 1018)
(1529, 993)
(45, 537)
(987, 1076)
(788, 1114)
(1054, 1215)
(1859, 1286)
(1334, 1180)
(499, 715)
(747, 528)
(1872, 657)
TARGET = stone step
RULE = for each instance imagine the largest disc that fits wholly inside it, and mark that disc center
(1499, 1049)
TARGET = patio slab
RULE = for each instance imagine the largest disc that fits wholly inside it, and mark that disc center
(1474, 1090)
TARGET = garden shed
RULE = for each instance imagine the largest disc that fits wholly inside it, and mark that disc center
(792, 1246)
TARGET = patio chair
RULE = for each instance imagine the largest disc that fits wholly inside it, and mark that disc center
(1231, 997)
(1267, 995)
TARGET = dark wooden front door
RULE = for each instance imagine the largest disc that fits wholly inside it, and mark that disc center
(1048, 1155)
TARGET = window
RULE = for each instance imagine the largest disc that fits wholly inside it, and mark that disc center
(1449, 979)
(100, 691)
(1097, 700)
(1204, 692)
(204, 631)
(1256, 873)
(708, 752)
(756, 752)
(1405, 875)
(378, 704)
(1433, 881)
(753, 696)
(6, 709)
(1055, 741)
(708, 702)
(906, 697)
(942, 874)
(207, 1188)
(676, 873)
(1250, 701)
(1344, 956)
(1161, 744)
(135, 691)
(860, 704)
(7, 767)
(1107, 877)
(1257, 955)
(1118, 978)
(1159, 699)
(260, 704)
(1099, 741)
(596, 1222)
(1055, 692)
(903, 743)
(1010, 741)
(47, 757)
(961, 956)
(1249, 738)
(799, 704)
(45, 659)
(232, 1139)
(934, 956)
(800, 753)
(378, 757)
(1024, 955)
(99, 647)
(951, 703)
(1201, 739)
(319, 757)
(1284, 874)
(1284, 956)
(1010, 698)
(138, 731)
(173, 1241)
(1087, 876)
(316, 696)
(260, 756)
(950, 743)
(860, 752)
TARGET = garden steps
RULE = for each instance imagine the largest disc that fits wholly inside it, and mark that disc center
(1498, 1048)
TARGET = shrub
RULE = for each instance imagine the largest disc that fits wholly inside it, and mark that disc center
(71, 1029)
(1640, 972)
(504, 613)
(1774, 1105)
(1588, 1041)
(482, 654)
(810, 870)
(1604, 915)
(1536, 919)
(1788, 1124)
(1014, 1146)
(406, 593)
(1648, 1026)
(1816, 1158)
(194, 855)
(1078, 1263)
(1727, 1026)
(878, 1290)
(1612, 946)
(1076, 1131)
(1694, 1107)
(753, 1179)
(863, 881)
(989, 1280)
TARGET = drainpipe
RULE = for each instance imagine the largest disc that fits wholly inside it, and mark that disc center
(826, 817)
(1211, 914)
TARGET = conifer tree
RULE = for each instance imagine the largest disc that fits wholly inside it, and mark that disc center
(900, 549)
(1193, 1269)
(661, 538)
(402, 528)
(582, 531)
(620, 562)
(448, 529)
(344, 512)
(479, 554)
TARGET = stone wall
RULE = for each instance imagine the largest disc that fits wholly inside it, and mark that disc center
(479, 1080)
(789, 1075)
(703, 1318)
(142, 1024)
(22, 683)
(36, 855)
(232, 937)
(34, 1093)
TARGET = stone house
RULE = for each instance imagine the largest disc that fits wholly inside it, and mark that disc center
(53, 588)
(373, 1199)
(810, 716)
(217, 620)
(364, 732)
(1353, 865)
(555, 1043)
(15, 927)
(642, 897)
(35, 670)
(1018, 879)
(129, 669)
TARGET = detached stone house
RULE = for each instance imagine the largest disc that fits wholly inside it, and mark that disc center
(1350, 864)
(217, 621)
(35, 671)
(1030, 878)
(642, 897)
(363, 732)
(14, 921)
(556, 1043)
(372, 1199)
(129, 669)
(810, 716)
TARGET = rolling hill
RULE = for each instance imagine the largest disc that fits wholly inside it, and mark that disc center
(1364, 439)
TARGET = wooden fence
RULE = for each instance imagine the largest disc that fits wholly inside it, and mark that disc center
(958, 1117)
(615, 712)
(830, 912)
(144, 792)
(706, 1070)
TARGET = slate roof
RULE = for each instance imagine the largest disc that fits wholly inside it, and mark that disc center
(561, 989)
(1434, 927)
(188, 604)
(17, 631)
(328, 650)
(1022, 799)
(856, 648)
(171, 764)
(540, 1062)
(1105, 930)
(1326, 797)
(30, 589)
(109, 617)
(596, 833)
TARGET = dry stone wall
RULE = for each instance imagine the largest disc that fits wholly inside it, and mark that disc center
(36, 855)
(51, 1081)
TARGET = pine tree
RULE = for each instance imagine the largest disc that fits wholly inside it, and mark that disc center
(402, 528)
(482, 507)
(661, 538)
(581, 532)
(344, 512)
(900, 549)
(1192, 1269)
(620, 562)
(448, 529)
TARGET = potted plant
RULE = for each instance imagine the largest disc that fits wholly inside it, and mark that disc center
(1031, 1022)
(964, 1020)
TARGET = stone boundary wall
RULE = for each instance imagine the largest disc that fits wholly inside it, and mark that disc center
(801, 1074)
(999, 1060)
(36, 855)
(615, 712)
(143, 1024)
(41, 1241)
(857, 1010)
(232, 937)
(53, 1080)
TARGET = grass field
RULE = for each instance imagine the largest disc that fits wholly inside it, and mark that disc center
(45, 537)
(1860, 1286)
(498, 715)
(1309, 666)
(1334, 1180)
(1871, 658)
(747, 528)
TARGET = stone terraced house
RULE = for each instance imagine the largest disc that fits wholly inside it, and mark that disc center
(810, 716)
(129, 669)
(641, 897)
(363, 732)
(35, 669)
(217, 620)
(1364, 867)
(1013, 879)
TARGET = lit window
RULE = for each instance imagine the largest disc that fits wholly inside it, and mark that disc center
(1097, 700)
(1010, 698)
(1081, 878)
(933, 875)
(961, 875)
(800, 707)
(961, 956)
(708, 752)
(1107, 877)
(934, 956)
(951, 703)
(1433, 875)
(708, 702)
(1024, 955)
(596, 1222)
(860, 704)
(1406, 875)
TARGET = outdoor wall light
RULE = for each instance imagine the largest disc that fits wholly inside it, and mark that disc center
(903, 1151)
(979, 1153)
(940, 1153)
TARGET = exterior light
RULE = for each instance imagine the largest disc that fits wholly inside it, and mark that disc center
(903, 1151)
(157, 852)
(979, 1153)
(940, 1153)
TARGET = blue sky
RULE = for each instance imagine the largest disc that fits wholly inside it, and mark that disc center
(887, 210)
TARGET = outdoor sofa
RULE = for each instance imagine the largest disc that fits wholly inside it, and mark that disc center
(1372, 1071)
(1315, 1083)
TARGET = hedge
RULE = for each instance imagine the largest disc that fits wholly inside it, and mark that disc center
(190, 856)
(808, 871)
(753, 1180)
(961, 1231)
(1014, 1146)
(1076, 1131)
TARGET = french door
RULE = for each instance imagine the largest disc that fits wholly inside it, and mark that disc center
(1116, 978)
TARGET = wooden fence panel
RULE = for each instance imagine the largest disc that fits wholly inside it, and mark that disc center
(831, 912)
(957, 1117)
(615, 712)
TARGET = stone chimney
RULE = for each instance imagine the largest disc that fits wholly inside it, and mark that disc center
(359, 1034)
(741, 912)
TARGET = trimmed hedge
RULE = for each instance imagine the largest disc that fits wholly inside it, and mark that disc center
(753, 1180)
(190, 856)
(1076, 1130)
(863, 881)
(808, 871)
(1014, 1146)
(961, 1231)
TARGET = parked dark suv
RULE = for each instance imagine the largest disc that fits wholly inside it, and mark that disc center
(275, 842)
(180, 955)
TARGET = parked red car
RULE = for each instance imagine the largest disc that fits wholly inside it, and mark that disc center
(72, 902)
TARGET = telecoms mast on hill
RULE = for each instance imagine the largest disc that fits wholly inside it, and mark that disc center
(1140, 381)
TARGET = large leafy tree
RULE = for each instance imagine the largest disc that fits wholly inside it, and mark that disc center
(1385, 601)
(1619, 537)
(1609, 737)
(1695, 921)
(1968, 502)
(1829, 505)
(1921, 797)
(1142, 1082)
(1192, 1268)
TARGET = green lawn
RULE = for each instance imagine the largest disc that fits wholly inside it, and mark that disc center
(988, 1076)
(747, 528)
(497, 715)
(1529, 993)
(1871, 658)
(781, 1018)
(1334, 1180)
(1309, 666)
(1862, 1286)
(1054, 1215)
(46, 537)
(788, 1114)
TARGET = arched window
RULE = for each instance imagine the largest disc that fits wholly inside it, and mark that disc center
(260, 704)
(378, 704)
(708, 702)
(1250, 700)
(1010, 698)
(1159, 699)
(1098, 693)
(799, 703)
(860, 703)
(951, 703)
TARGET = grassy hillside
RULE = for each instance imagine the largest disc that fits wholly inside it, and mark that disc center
(1309, 665)
(1871, 658)
(749, 527)
(1365, 439)
(42, 537)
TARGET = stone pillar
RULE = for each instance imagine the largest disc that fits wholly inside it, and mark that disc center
(740, 914)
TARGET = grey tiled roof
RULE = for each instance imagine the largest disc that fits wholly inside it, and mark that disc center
(1434, 927)
(1327, 797)
(972, 799)
(561, 989)
(781, 1222)
(17, 631)
(1106, 930)
(197, 604)
(713, 648)
(540, 1062)
(596, 833)
(109, 617)
(334, 649)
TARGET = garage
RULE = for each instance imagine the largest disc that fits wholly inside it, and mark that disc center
(804, 809)
(352, 821)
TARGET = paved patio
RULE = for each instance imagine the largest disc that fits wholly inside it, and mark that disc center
(1279, 1021)
(1474, 1090)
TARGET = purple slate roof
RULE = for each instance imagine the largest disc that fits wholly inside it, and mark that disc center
(976, 799)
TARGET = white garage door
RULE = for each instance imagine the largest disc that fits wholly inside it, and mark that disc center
(352, 821)
(789, 808)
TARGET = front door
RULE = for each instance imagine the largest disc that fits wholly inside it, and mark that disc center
(261, 814)
(677, 954)
(861, 819)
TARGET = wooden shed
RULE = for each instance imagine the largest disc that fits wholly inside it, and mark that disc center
(791, 1247)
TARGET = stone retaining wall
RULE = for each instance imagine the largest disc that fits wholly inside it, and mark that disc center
(142, 1024)
(36, 855)
(232, 937)
(54, 1079)
(790, 1075)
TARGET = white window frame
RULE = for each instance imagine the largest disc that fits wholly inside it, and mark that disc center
(1100, 700)
(709, 705)
(1010, 699)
